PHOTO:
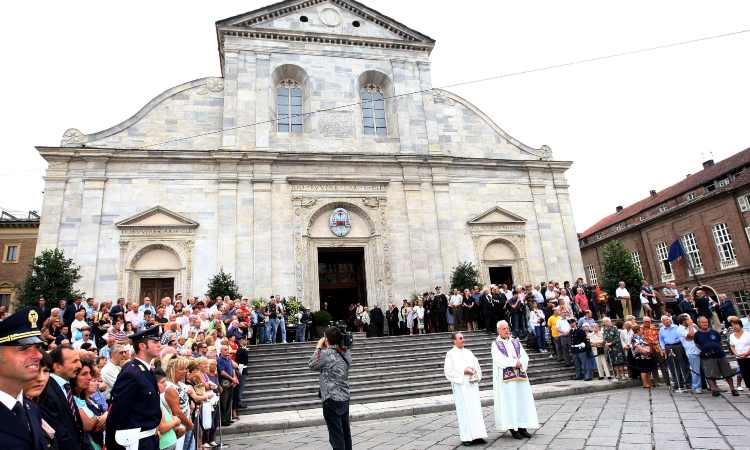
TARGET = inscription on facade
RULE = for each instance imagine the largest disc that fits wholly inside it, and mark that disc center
(337, 187)
(336, 124)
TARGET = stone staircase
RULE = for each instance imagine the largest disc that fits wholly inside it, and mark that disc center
(387, 368)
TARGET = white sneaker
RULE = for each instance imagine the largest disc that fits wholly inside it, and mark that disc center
(740, 388)
(678, 391)
(697, 391)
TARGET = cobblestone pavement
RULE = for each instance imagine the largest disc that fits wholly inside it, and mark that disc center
(629, 419)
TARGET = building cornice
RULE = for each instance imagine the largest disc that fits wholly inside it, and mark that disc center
(277, 157)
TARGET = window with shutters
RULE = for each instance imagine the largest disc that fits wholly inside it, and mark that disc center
(662, 255)
(690, 245)
(10, 255)
(723, 182)
(743, 202)
(723, 241)
(591, 273)
(690, 196)
(742, 298)
(637, 262)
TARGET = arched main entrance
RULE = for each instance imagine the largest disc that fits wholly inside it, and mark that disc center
(340, 255)
(155, 271)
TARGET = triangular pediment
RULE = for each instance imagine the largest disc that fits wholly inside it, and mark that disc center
(497, 215)
(320, 18)
(157, 217)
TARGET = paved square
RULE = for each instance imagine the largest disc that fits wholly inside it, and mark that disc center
(629, 419)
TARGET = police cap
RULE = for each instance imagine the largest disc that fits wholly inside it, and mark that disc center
(21, 328)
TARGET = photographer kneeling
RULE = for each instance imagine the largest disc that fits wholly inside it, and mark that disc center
(333, 360)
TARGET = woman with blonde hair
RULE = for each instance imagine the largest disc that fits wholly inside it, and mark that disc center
(176, 395)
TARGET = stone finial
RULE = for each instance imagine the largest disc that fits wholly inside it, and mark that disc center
(72, 138)
(546, 152)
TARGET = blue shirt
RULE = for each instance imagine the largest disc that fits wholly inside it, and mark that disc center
(224, 365)
(60, 382)
(709, 342)
(668, 336)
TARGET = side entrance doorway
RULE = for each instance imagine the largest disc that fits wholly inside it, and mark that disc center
(341, 277)
(156, 289)
(501, 275)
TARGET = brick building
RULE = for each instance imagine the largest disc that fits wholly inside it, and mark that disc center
(709, 212)
(17, 244)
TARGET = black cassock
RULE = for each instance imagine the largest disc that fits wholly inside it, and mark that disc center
(488, 313)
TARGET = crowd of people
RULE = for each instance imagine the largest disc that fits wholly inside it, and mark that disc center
(197, 361)
(201, 348)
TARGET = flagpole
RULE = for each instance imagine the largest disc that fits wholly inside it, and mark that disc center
(690, 266)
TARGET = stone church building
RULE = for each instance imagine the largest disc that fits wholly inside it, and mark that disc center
(321, 164)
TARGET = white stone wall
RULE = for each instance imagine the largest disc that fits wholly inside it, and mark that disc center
(443, 162)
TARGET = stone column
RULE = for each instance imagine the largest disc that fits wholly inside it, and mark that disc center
(282, 240)
(444, 219)
(543, 267)
(262, 233)
(415, 217)
(431, 234)
(244, 244)
(229, 136)
(227, 217)
(245, 113)
(88, 245)
(428, 104)
(569, 230)
(409, 109)
(262, 100)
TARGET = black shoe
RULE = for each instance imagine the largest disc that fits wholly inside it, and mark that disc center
(479, 441)
(524, 433)
(515, 434)
(716, 393)
(735, 394)
(467, 443)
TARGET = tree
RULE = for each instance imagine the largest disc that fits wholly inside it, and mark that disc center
(53, 276)
(222, 284)
(619, 266)
(465, 276)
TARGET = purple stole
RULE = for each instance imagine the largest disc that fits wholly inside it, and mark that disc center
(511, 373)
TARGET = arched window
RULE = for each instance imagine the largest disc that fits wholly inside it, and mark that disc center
(373, 110)
(289, 107)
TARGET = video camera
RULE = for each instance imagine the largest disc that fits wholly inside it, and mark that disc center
(347, 340)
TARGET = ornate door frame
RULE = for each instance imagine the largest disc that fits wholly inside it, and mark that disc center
(376, 248)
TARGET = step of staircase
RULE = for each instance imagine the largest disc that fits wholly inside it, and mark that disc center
(383, 368)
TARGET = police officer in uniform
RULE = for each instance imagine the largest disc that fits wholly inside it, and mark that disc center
(135, 413)
(20, 420)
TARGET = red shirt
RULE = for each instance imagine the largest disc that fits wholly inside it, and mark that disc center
(582, 301)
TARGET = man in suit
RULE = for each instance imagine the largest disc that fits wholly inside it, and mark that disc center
(69, 315)
(58, 406)
(43, 310)
(20, 422)
(135, 397)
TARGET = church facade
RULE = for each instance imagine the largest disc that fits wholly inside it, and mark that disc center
(321, 164)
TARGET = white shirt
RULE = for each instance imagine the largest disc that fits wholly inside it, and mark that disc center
(76, 326)
(622, 292)
(741, 344)
(687, 344)
(9, 402)
(563, 327)
(456, 300)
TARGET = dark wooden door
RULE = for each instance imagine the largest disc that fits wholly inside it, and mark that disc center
(156, 289)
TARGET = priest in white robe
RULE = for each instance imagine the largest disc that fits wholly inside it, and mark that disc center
(463, 371)
(514, 402)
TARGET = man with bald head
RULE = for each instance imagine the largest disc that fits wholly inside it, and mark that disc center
(513, 400)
